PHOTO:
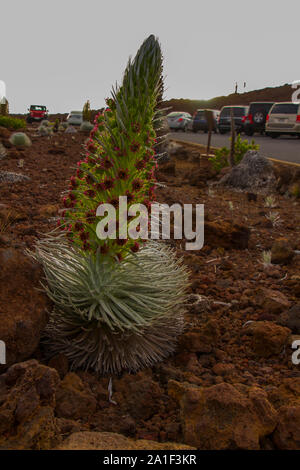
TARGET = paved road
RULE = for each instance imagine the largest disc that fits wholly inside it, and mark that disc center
(283, 148)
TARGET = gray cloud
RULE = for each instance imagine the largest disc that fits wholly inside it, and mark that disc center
(61, 53)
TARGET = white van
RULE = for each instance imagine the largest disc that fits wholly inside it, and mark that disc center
(283, 118)
(75, 118)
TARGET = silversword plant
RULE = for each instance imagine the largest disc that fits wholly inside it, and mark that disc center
(118, 302)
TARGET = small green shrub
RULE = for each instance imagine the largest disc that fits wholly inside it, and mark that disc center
(12, 123)
(86, 127)
(19, 139)
(241, 147)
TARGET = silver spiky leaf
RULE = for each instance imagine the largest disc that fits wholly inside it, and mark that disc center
(113, 316)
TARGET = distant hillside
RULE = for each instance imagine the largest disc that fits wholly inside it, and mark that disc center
(280, 93)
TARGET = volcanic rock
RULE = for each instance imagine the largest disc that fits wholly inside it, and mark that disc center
(268, 338)
(221, 417)
(113, 441)
(282, 252)
(254, 173)
(22, 306)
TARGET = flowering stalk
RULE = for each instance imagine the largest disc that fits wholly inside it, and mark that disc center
(119, 156)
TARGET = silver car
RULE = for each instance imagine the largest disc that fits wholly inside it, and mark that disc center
(179, 121)
(283, 118)
(75, 118)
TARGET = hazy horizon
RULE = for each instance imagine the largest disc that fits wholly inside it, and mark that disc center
(60, 54)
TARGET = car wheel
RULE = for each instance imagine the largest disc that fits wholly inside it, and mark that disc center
(222, 131)
(273, 135)
(259, 117)
(249, 132)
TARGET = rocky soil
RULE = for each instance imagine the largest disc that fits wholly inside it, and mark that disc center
(231, 383)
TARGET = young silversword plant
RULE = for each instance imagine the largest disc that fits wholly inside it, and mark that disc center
(270, 201)
(274, 218)
(266, 258)
(118, 302)
(19, 139)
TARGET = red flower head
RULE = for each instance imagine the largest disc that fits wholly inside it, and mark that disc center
(84, 236)
(140, 164)
(73, 182)
(99, 187)
(114, 202)
(137, 184)
(91, 147)
(130, 196)
(86, 246)
(107, 163)
(108, 184)
(104, 249)
(123, 174)
(90, 193)
(78, 226)
(121, 242)
(135, 248)
(91, 215)
(134, 147)
(66, 202)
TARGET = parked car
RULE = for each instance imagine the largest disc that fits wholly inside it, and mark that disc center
(283, 118)
(257, 115)
(200, 122)
(75, 118)
(179, 121)
(239, 115)
(37, 112)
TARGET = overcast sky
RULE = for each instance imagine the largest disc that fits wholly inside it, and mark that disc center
(61, 52)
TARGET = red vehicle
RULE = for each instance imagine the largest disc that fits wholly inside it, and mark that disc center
(37, 113)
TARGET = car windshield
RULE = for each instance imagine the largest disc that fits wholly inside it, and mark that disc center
(260, 107)
(175, 114)
(200, 115)
(237, 112)
(285, 108)
(38, 108)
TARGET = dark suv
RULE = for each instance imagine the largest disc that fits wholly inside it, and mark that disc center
(257, 115)
(239, 115)
(200, 121)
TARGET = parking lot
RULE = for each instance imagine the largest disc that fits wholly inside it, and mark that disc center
(284, 148)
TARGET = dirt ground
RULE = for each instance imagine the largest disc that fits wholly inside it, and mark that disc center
(235, 353)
